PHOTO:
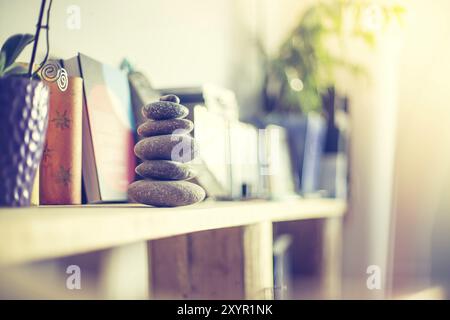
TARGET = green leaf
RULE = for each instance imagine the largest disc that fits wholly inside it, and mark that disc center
(15, 69)
(13, 46)
(2, 62)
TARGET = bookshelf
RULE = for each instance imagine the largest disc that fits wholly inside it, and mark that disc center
(231, 236)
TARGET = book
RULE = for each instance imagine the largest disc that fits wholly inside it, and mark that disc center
(306, 138)
(243, 159)
(334, 164)
(108, 159)
(312, 153)
(213, 165)
(142, 93)
(275, 163)
(60, 168)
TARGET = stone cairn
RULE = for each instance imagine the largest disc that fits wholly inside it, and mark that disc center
(165, 150)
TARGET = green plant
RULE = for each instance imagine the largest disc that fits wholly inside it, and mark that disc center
(9, 52)
(304, 67)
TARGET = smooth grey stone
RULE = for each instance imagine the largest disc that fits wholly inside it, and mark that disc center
(164, 110)
(182, 147)
(155, 128)
(165, 193)
(165, 170)
(171, 98)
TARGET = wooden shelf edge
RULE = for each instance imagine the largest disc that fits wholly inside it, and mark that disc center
(30, 234)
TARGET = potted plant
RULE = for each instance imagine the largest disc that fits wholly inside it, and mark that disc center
(23, 123)
(303, 69)
(300, 82)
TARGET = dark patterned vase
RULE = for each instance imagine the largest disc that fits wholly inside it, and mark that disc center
(23, 125)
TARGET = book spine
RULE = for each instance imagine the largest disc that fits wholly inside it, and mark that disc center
(60, 170)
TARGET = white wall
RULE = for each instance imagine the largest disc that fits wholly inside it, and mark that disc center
(175, 42)
(373, 110)
(401, 155)
(423, 154)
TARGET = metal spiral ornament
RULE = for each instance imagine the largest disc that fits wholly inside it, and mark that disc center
(52, 72)
(63, 79)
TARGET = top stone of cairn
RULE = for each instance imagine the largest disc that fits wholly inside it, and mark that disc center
(168, 107)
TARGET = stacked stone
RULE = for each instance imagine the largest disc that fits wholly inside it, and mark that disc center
(165, 149)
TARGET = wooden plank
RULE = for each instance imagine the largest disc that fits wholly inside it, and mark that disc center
(29, 234)
(169, 263)
(231, 263)
(258, 262)
(216, 264)
(203, 265)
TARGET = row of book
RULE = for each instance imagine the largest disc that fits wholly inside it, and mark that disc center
(89, 154)
(238, 160)
(88, 157)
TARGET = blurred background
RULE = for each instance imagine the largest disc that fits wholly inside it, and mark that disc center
(373, 71)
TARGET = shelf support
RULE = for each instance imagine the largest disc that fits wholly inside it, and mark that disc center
(258, 261)
(231, 263)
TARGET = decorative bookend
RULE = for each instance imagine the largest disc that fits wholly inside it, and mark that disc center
(60, 170)
(166, 149)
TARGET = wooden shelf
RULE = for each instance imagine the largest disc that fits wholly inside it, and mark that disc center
(30, 234)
